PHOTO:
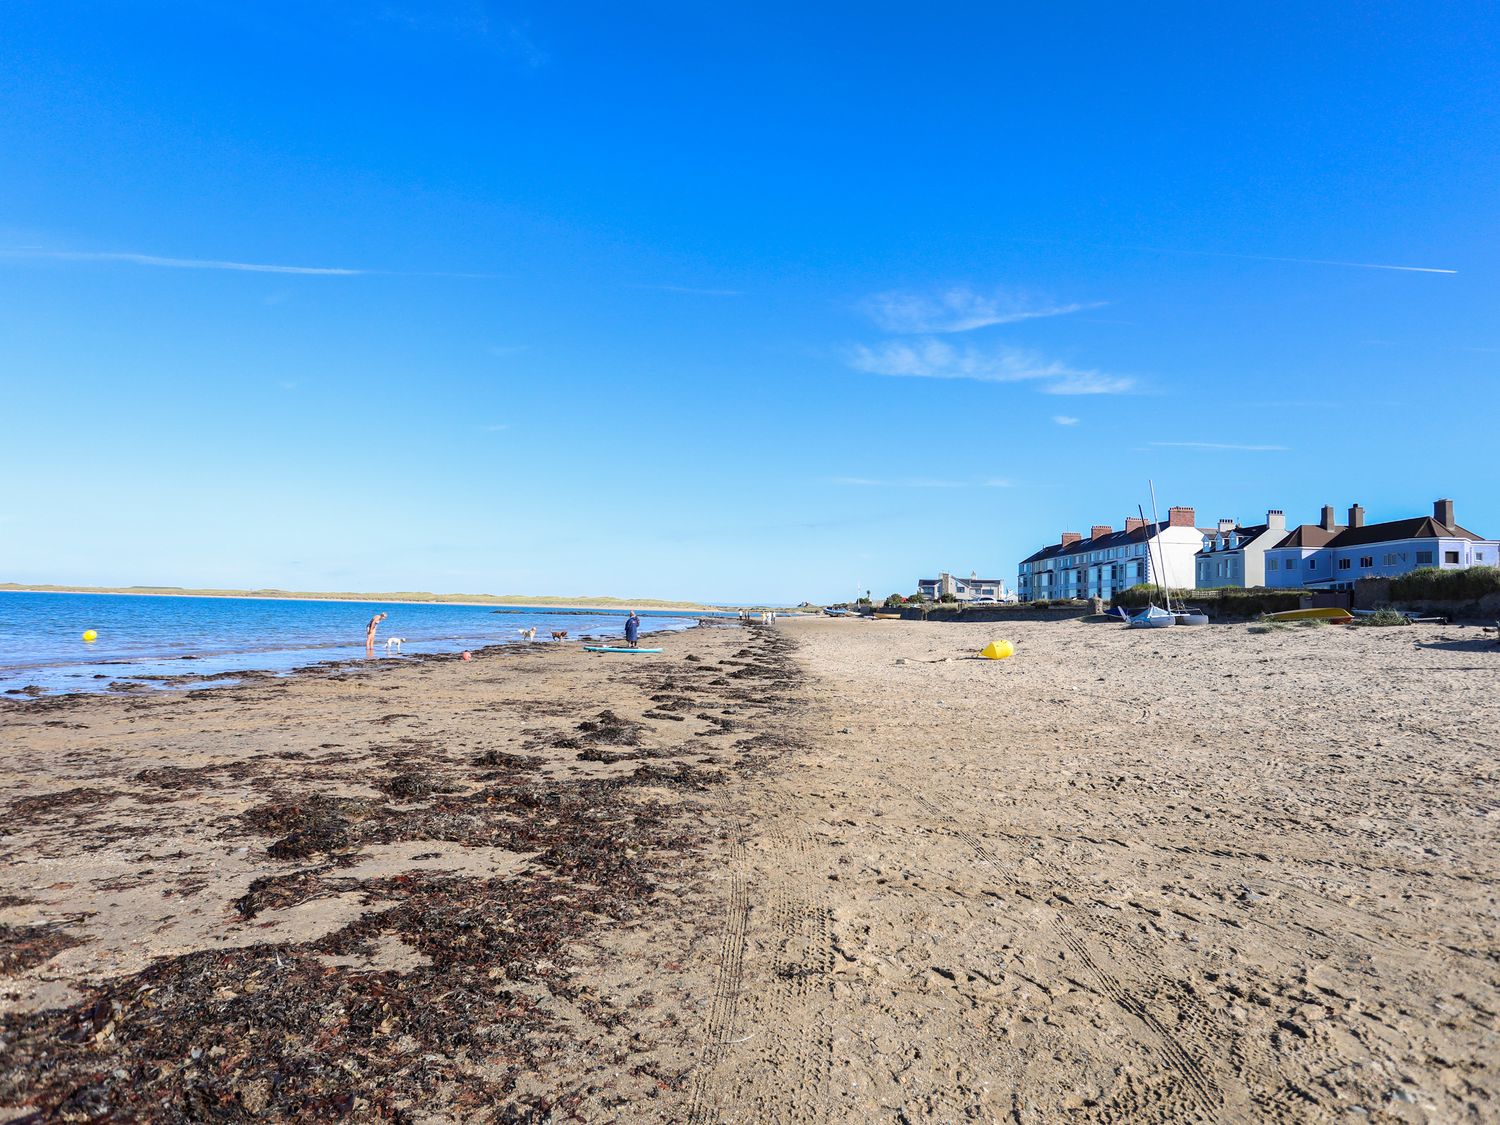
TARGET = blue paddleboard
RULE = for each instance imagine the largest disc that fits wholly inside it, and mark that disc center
(604, 648)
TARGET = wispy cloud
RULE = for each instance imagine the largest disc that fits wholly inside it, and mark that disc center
(959, 308)
(37, 253)
(1220, 445)
(1065, 419)
(934, 359)
(920, 482)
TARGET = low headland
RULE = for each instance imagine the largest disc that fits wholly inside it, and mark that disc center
(539, 601)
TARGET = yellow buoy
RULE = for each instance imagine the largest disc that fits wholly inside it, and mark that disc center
(89, 636)
(997, 650)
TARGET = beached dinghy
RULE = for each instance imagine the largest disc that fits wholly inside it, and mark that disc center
(1331, 614)
(1191, 617)
(1152, 618)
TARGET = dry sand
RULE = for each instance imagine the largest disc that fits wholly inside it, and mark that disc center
(1196, 874)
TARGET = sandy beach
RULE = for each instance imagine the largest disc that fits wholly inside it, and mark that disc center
(834, 871)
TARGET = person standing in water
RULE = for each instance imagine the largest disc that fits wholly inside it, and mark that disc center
(370, 633)
(632, 629)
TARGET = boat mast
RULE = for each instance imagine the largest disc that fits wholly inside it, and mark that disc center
(1166, 593)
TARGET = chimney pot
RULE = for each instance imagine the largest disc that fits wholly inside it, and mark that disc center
(1328, 523)
(1182, 517)
(1099, 530)
(1225, 525)
(1070, 537)
(1356, 516)
(1442, 512)
(1276, 518)
(1134, 523)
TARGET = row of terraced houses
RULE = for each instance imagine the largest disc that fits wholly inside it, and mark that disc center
(1176, 552)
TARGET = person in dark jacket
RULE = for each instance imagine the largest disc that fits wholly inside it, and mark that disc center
(632, 629)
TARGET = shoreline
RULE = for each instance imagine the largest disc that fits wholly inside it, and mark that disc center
(507, 601)
(167, 684)
(448, 887)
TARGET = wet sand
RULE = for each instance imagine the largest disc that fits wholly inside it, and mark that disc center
(772, 875)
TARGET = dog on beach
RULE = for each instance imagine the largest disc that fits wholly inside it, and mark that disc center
(559, 634)
(393, 643)
(529, 634)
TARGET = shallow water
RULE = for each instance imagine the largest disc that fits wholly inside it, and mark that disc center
(143, 636)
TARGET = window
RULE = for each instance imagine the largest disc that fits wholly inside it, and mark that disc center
(1388, 560)
(1450, 557)
(1343, 564)
(1366, 562)
(1424, 558)
(1273, 564)
(1312, 563)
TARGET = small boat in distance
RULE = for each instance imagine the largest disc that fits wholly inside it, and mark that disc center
(1332, 614)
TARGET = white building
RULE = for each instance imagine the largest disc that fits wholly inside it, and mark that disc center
(1332, 556)
(1109, 561)
(1236, 556)
(970, 589)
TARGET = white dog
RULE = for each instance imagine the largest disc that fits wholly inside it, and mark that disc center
(394, 643)
(529, 634)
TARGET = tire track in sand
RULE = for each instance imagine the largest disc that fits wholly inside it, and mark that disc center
(727, 987)
(1185, 1061)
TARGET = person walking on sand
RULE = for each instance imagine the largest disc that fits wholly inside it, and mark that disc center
(632, 629)
(370, 633)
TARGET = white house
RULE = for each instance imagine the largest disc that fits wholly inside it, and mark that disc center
(1333, 556)
(1235, 555)
(970, 589)
(1109, 561)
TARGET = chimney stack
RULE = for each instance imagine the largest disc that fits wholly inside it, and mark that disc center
(1182, 517)
(1276, 519)
(1134, 523)
(1099, 530)
(1225, 525)
(1442, 511)
(1070, 537)
(1356, 516)
(1328, 523)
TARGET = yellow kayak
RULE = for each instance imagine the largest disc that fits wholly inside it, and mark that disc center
(1326, 613)
(887, 617)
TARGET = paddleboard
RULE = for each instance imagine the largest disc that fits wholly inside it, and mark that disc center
(1324, 613)
(606, 648)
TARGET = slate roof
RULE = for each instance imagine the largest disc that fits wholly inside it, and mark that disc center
(1309, 535)
(1246, 534)
(1103, 543)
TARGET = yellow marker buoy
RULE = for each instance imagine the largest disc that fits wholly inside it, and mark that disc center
(997, 650)
(89, 636)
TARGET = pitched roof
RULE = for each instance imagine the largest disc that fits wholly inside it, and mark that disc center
(1103, 543)
(1247, 536)
(1309, 535)
(1419, 527)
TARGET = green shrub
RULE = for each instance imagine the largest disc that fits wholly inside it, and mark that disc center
(895, 601)
(1383, 617)
(1429, 583)
(949, 598)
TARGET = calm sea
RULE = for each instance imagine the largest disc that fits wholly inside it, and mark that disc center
(143, 636)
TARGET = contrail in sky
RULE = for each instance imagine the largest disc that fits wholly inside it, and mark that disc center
(211, 264)
(1297, 261)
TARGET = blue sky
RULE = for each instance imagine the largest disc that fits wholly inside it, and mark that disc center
(727, 303)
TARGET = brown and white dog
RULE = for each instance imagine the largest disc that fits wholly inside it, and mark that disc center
(559, 634)
(529, 634)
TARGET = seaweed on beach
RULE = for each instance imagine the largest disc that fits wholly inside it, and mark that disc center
(285, 1032)
(47, 804)
(21, 947)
